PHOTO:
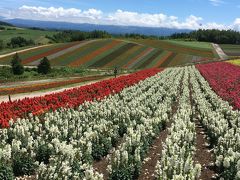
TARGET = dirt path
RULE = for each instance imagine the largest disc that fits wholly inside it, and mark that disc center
(12, 53)
(203, 155)
(220, 52)
(48, 91)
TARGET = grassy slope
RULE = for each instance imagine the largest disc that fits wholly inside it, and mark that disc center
(231, 50)
(37, 35)
(192, 44)
(121, 54)
(177, 48)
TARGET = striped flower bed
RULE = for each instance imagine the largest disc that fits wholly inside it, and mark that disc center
(97, 52)
(50, 52)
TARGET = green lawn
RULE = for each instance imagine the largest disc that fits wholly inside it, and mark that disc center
(192, 44)
(37, 35)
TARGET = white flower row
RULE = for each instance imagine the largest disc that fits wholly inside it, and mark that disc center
(125, 161)
(222, 125)
(177, 156)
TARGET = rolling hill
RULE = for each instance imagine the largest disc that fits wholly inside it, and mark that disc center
(121, 53)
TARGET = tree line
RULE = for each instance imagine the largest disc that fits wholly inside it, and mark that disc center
(210, 35)
(70, 36)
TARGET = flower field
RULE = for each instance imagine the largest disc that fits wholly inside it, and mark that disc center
(111, 53)
(224, 79)
(115, 129)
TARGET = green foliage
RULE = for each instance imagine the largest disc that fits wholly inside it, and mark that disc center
(6, 172)
(23, 164)
(17, 67)
(69, 36)
(19, 41)
(44, 67)
(101, 147)
(211, 35)
(43, 154)
(1, 44)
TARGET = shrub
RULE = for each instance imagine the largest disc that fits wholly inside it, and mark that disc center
(44, 67)
(17, 66)
(23, 164)
(6, 172)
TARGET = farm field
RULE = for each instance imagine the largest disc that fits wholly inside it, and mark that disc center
(172, 123)
(110, 53)
(37, 35)
(231, 50)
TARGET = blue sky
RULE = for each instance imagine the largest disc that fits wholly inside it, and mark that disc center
(169, 13)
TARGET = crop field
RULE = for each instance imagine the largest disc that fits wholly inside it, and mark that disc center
(172, 123)
(110, 53)
(231, 50)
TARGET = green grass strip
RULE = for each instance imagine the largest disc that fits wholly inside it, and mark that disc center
(102, 62)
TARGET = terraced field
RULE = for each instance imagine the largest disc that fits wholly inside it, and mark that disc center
(110, 53)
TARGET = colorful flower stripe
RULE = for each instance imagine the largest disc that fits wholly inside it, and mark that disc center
(43, 86)
(163, 59)
(144, 58)
(224, 78)
(50, 52)
(103, 61)
(150, 59)
(140, 56)
(69, 98)
(97, 52)
(123, 58)
(78, 53)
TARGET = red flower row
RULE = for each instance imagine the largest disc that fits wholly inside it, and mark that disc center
(69, 98)
(224, 78)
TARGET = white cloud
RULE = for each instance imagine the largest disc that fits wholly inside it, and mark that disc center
(236, 24)
(118, 17)
(216, 2)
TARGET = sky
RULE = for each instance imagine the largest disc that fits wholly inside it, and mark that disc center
(181, 14)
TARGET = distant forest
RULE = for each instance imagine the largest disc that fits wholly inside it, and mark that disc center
(213, 35)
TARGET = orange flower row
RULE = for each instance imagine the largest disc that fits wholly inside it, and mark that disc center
(43, 86)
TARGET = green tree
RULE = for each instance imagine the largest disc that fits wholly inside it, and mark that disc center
(44, 67)
(17, 67)
(1, 44)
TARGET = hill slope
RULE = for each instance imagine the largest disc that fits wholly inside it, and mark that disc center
(110, 53)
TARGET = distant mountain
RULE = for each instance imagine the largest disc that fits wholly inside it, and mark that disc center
(5, 24)
(90, 27)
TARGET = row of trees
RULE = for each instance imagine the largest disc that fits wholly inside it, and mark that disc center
(69, 36)
(211, 35)
(44, 66)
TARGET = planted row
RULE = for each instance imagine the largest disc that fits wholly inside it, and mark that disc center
(69, 98)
